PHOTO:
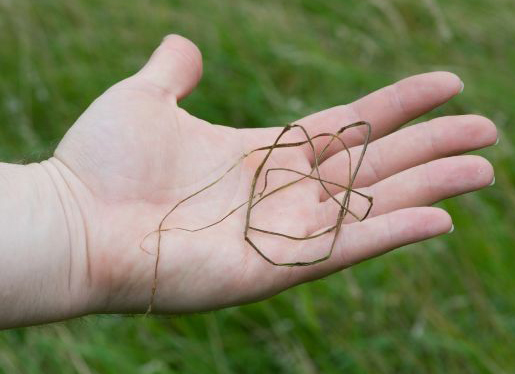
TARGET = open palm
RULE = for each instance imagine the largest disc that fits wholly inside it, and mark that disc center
(134, 154)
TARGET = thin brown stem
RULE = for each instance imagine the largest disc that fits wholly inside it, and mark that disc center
(256, 197)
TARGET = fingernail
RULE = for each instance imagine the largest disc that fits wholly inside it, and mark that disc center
(451, 230)
(462, 87)
(497, 141)
(169, 36)
(493, 182)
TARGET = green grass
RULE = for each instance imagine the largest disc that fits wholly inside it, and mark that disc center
(445, 306)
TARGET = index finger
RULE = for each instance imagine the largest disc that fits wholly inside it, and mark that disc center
(386, 109)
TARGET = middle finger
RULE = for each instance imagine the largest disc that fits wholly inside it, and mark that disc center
(408, 147)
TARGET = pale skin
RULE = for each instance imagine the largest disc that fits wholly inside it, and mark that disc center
(72, 225)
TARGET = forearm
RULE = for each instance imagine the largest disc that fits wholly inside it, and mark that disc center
(43, 253)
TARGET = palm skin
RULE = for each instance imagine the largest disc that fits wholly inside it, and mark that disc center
(134, 154)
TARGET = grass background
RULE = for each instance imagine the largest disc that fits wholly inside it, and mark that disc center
(447, 305)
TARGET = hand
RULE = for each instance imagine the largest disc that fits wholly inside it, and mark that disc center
(135, 153)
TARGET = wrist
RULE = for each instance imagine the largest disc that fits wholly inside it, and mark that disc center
(111, 272)
(43, 257)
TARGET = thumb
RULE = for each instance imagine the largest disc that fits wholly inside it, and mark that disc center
(175, 66)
